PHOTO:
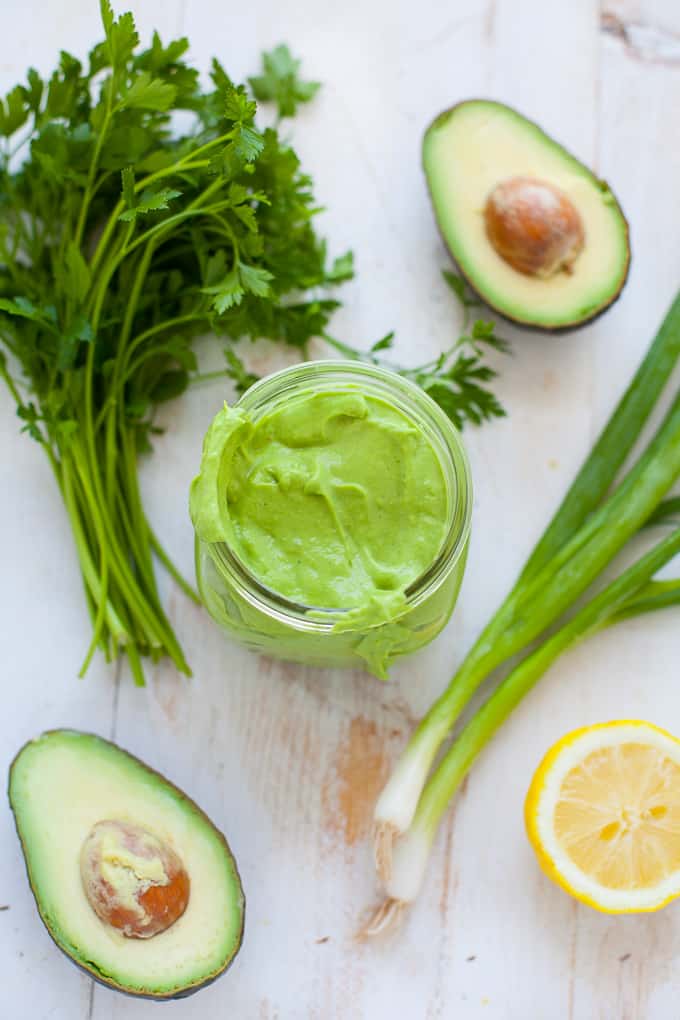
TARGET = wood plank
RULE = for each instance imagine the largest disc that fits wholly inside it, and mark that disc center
(624, 967)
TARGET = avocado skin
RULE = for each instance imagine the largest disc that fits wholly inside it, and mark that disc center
(182, 993)
(149, 996)
(516, 320)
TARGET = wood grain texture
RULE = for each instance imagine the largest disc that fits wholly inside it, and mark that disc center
(288, 760)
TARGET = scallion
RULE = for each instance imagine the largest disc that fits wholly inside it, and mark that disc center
(616, 602)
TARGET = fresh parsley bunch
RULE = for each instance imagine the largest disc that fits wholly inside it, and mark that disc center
(119, 242)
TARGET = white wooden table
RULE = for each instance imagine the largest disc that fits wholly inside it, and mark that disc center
(288, 760)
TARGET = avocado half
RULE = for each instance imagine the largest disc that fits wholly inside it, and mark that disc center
(60, 785)
(467, 151)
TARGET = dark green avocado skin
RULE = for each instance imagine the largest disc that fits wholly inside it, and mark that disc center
(101, 979)
(532, 327)
(149, 996)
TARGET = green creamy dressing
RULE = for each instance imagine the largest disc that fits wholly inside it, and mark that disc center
(333, 499)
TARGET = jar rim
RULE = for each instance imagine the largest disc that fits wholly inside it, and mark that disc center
(419, 406)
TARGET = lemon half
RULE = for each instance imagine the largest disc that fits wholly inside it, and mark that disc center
(603, 815)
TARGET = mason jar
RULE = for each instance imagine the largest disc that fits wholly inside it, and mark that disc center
(267, 622)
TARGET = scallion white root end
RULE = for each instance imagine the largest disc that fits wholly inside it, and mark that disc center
(386, 919)
(407, 858)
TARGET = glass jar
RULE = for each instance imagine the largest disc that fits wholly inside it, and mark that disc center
(267, 622)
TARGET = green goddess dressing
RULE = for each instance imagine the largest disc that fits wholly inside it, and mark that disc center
(334, 500)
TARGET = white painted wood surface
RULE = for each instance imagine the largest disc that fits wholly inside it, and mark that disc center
(288, 760)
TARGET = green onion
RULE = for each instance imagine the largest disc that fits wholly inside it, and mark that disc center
(669, 510)
(584, 536)
(616, 602)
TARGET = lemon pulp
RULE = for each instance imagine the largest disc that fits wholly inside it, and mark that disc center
(618, 816)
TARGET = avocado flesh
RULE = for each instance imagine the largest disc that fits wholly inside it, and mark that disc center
(467, 151)
(60, 785)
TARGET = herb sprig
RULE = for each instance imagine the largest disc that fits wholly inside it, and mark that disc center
(280, 82)
(457, 379)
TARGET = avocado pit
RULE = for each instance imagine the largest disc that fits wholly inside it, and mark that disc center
(133, 880)
(533, 226)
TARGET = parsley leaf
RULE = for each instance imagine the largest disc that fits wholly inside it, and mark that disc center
(255, 279)
(14, 110)
(280, 82)
(149, 93)
(460, 288)
(150, 201)
(79, 331)
(75, 274)
(237, 371)
(227, 293)
(383, 344)
(121, 36)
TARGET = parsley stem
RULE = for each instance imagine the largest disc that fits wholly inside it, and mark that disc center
(92, 172)
(130, 310)
(185, 163)
(91, 576)
(163, 327)
(152, 627)
(218, 373)
(135, 665)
